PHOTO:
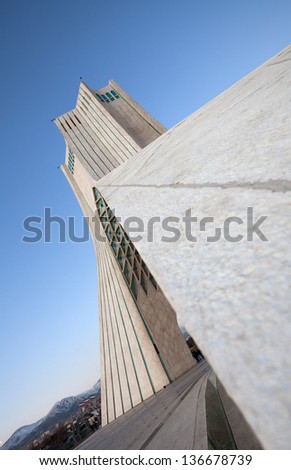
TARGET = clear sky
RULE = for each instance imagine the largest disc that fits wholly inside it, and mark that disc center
(172, 56)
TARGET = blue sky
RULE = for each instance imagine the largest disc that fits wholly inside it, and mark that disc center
(172, 57)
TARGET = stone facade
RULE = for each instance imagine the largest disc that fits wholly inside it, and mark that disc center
(234, 298)
(142, 348)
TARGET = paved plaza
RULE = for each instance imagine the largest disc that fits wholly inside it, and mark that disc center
(178, 417)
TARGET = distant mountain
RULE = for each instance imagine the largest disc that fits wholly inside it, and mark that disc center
(59, 413)
(18, 436)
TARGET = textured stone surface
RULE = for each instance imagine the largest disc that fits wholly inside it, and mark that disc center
(233, 297)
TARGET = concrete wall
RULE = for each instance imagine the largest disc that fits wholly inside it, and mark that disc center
(234, 298)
